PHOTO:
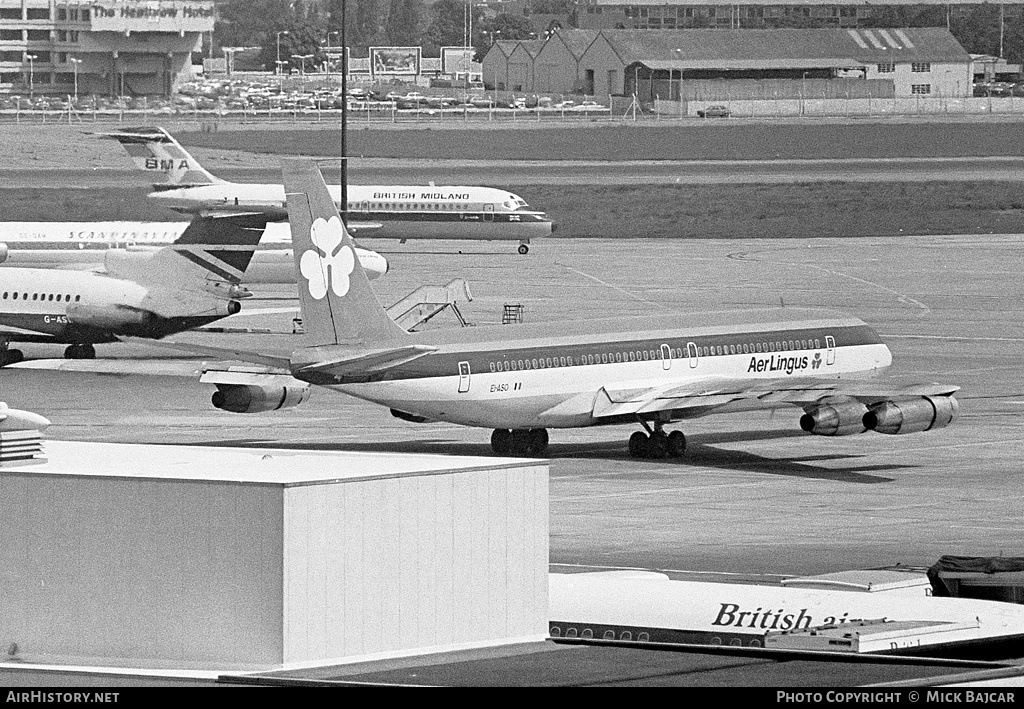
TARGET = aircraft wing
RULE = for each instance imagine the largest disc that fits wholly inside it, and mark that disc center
(281, 362)
(143, 367)
(363, 228)
(18, 335)
(698, 397)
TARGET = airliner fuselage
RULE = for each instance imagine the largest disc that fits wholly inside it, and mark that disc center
(533, 376)
(395, 212)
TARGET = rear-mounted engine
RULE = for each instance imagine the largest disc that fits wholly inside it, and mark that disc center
(912, 415)
(251, 399)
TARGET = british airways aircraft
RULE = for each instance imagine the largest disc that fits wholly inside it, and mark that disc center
(375, 211)
(522, 381)
(190, 283)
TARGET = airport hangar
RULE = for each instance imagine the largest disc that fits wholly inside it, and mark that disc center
(111, 47)
(713, 64)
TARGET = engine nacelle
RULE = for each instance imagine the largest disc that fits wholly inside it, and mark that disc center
(252, 399)
(839, 418)
(4, 253)
(111, 317)
(912, 415)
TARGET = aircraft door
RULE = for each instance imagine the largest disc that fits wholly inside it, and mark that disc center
(691, 350)
(666, 357)
(830, 355)
(463, 377)
(488, 212)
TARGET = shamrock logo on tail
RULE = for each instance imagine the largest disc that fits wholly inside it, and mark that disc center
(329, 266)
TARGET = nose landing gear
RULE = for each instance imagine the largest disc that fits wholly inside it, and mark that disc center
(656, 443)
(519, 441)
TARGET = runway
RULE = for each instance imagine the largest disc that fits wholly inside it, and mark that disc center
(246, 167)
(754, 494)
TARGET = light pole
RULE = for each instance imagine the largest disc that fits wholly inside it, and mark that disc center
(277, 64)
(31, 74)
(329, 55)
(302, 66)
(74, 63)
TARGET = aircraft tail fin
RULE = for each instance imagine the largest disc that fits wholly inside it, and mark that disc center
(338, 304)
(154, 150)
(212, 250)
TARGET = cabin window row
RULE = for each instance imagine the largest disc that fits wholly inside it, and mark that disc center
(647, 355)
(59, 297)
(588, 633)
(413, 207)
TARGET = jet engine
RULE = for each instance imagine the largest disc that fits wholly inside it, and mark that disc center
(835, 418)
(111, 317)
(252, 398)
(912, 415)
(4, 252)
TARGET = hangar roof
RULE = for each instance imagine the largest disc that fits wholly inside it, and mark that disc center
(746, 48)
(577, 41)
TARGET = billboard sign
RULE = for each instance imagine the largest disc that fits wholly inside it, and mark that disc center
(395, 61)
(455, 59)
(151, 16)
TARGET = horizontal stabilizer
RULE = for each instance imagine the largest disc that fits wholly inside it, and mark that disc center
(361, 362)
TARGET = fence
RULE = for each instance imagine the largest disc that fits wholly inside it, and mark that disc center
(840, 107)
(621, 108)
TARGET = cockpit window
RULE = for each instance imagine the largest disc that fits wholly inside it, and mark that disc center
(509, 204)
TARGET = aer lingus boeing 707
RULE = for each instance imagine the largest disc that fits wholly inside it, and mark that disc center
(521, 381)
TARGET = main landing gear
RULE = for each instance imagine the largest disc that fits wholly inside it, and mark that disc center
(520, 441)
(9, 356)
(656, 443)
(83, 351)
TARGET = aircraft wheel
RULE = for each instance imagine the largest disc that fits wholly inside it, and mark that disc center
(501, 441)
(11, 357)
(638, 444)
(657, 445)
(676, 444)
(85, 351)
(520, 441)
(524, 249)
(537, 442)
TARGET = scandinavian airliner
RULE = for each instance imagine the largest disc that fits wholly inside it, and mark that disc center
(521, 381)
(375, 211)
(84, 245)
(190, 283)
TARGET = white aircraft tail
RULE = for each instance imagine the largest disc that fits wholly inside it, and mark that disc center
(338, 305)
(153, 150)
(212, 250)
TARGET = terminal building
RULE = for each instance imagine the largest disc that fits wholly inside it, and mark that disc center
(738, 64)
(107, 47)
(729, 14)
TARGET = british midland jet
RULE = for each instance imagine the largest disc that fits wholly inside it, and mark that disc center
(523, 381)
(375, 211)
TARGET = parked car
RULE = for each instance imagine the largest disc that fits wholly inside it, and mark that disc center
(714, 112)
(589, 107)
